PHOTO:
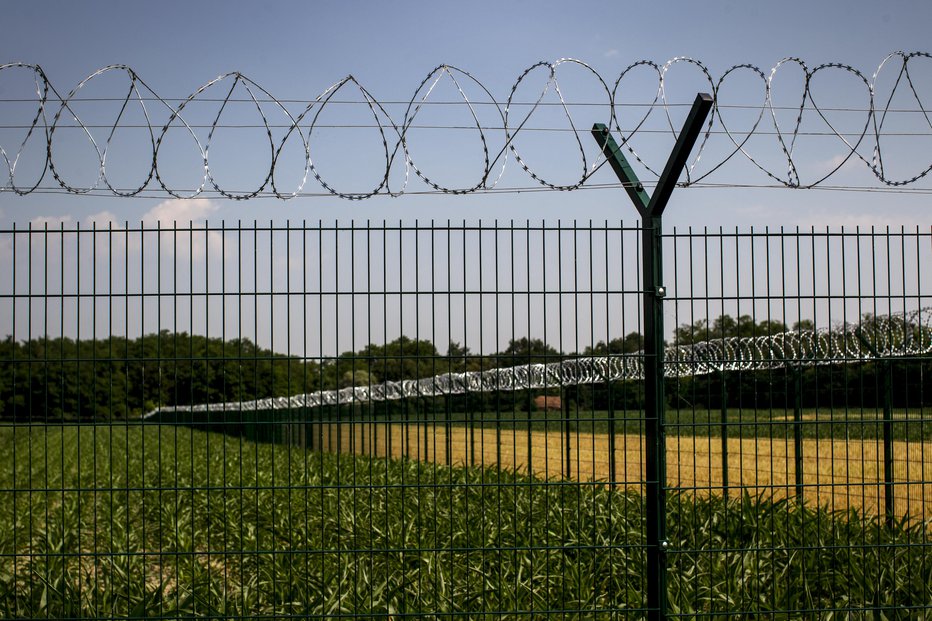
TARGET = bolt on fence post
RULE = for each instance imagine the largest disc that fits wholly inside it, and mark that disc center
(651, 210)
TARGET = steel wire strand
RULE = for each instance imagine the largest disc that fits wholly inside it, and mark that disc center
(54, 112)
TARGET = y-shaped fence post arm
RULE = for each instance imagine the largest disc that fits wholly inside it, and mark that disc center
(651, 210)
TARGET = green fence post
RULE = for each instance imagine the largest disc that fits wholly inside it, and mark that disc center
(886, 366)
(888, 442)
(612, 464)
(448, 429)
(498, 429)
(567, 433)
(651, 210)
(724, 423)
(654, 401)
(798, 432)
(471, 427)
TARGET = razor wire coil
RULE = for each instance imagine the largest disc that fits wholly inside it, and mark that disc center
(874, 338)
(55, 111)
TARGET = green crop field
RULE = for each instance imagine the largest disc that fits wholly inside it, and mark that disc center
(149, 520)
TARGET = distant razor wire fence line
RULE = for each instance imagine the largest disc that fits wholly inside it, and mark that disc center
(47, 130)
(877, 338)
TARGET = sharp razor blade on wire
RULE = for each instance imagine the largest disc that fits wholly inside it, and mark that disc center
(892, 336)
(55, 111)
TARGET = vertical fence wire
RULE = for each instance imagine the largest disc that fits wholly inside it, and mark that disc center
(799, 489)
(834, 453)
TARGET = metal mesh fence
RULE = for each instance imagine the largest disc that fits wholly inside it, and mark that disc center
(260, 421)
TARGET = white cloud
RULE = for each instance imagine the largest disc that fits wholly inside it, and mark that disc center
(610, 53)
(181, 211)
(843, 162)
(103, 217)
(168, 213)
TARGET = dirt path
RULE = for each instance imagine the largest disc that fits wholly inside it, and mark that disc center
(837, 473)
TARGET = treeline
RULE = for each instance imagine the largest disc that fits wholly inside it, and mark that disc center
(51, 379)
(63, 379)
(851, 385)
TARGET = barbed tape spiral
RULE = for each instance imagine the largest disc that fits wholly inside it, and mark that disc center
(874, 338)
(53, 110)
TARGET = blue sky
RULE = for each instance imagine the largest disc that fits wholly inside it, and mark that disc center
(297, 49)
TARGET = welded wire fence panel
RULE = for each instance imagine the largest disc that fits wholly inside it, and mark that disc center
(823, 470)
(122, 496)
(436, 420)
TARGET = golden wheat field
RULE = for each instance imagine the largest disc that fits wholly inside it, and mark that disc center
(837, 473)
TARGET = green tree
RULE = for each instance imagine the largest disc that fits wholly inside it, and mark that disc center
(630, 343)
(359, 377)
(527, 351)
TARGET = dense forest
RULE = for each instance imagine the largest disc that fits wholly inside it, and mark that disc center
(62, 379)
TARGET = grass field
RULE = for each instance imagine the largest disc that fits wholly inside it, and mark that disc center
(841, 456)
(156, 520)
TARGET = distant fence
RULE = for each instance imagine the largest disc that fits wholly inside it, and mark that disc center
(439, 420)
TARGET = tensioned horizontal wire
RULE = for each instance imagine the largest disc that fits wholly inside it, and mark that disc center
(879, 337)
(542, 104)
(55, 112)
(378, 225)
(100, 193)
(434, 485)
(483, 128)
(353, 226)
(436, 293)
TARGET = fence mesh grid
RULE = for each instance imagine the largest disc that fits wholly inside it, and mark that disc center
(795, 489)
